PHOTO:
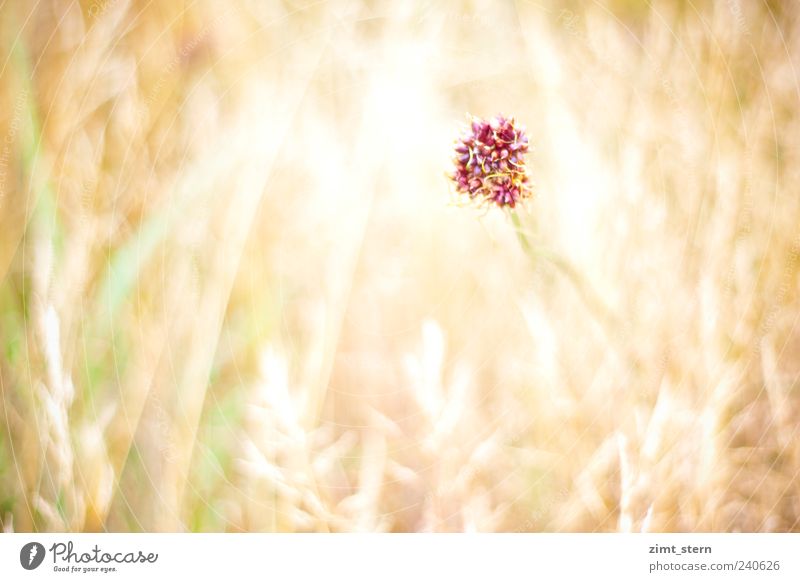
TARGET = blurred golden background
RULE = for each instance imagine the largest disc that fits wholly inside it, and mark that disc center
(236, 292)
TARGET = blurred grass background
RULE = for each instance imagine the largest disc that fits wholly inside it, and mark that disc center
(235, 294)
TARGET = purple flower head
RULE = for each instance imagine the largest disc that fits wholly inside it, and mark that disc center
(490, 162)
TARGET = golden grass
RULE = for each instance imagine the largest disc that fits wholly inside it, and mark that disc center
(235, 295)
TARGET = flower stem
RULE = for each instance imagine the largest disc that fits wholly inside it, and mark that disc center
(523, 238)
(599, 310)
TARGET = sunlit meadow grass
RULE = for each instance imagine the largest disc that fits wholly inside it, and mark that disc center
(235, 293)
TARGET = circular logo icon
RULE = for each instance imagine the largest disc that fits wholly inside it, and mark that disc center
(31, 555)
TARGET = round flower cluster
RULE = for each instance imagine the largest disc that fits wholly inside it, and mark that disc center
(490, 162)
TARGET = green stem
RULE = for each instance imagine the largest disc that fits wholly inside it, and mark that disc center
(523, 238)
(535, 253)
